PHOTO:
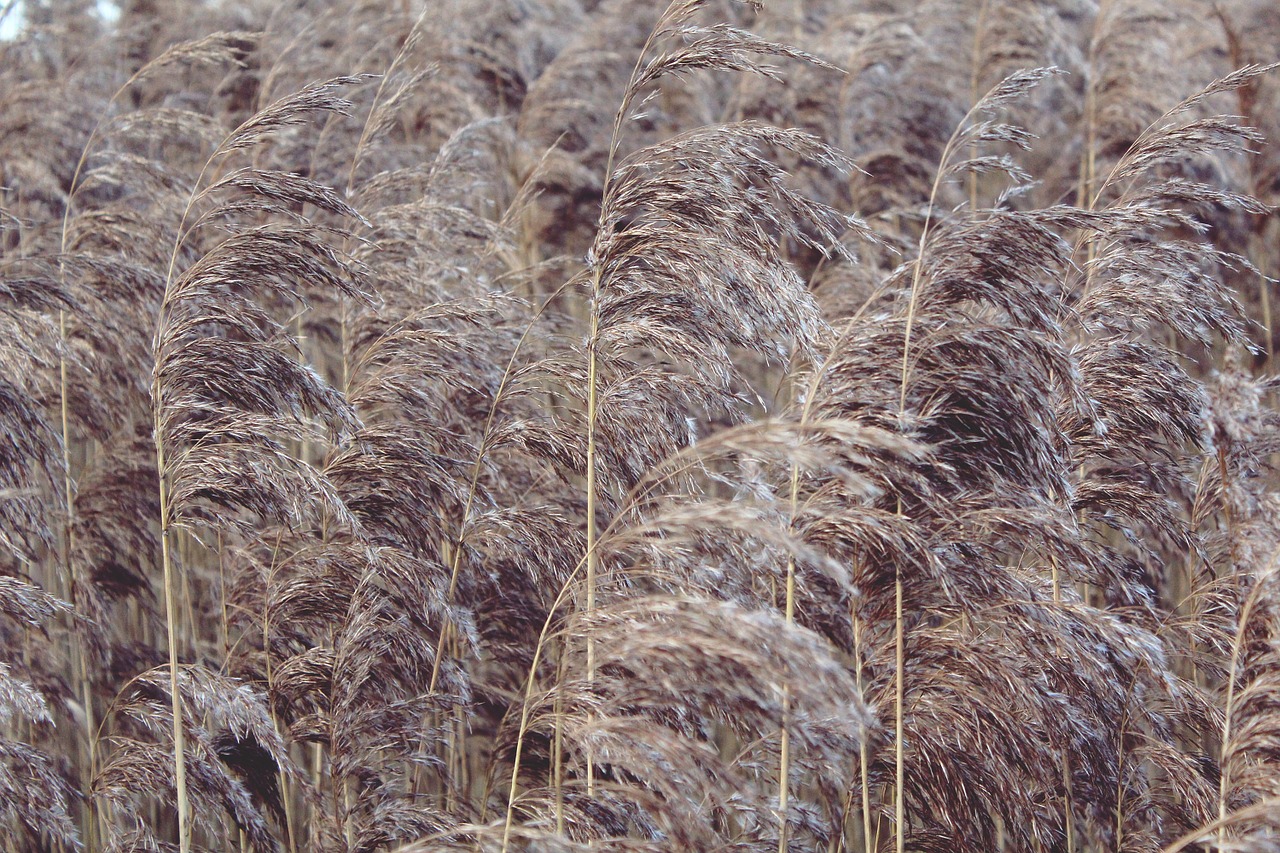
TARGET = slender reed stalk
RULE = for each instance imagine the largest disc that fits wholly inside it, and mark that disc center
(527, 703)
(899, 751)
(75, 581)
(171, 627)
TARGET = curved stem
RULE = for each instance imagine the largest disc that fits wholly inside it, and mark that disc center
(1263, 809)
(527, 703)
(1237, 644)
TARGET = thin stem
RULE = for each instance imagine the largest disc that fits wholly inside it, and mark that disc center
(1263, 809)
(80, 668)
(527, 704)
(1224, 774)
(784, 759)
(597, 274)
(74, 581)
(1264, 291)
(899, 803)
(591, 501)
(166, 526)
(455, 561)
(281, 778)
(1088, 165)
(170, 590)
(523, 728)
(357, 157)
(917, 270)
(1120, 785)
(863, 750)
(171, 622)
(784, 747)
(557, 751)
(974, 60)
(917, 274)
(1066, 756)
(1067, 820)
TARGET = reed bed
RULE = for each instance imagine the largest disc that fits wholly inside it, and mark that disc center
(564, 425)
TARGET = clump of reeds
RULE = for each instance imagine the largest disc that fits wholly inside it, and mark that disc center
(573, 425)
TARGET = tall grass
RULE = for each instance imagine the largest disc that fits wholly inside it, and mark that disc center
(690, 426)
